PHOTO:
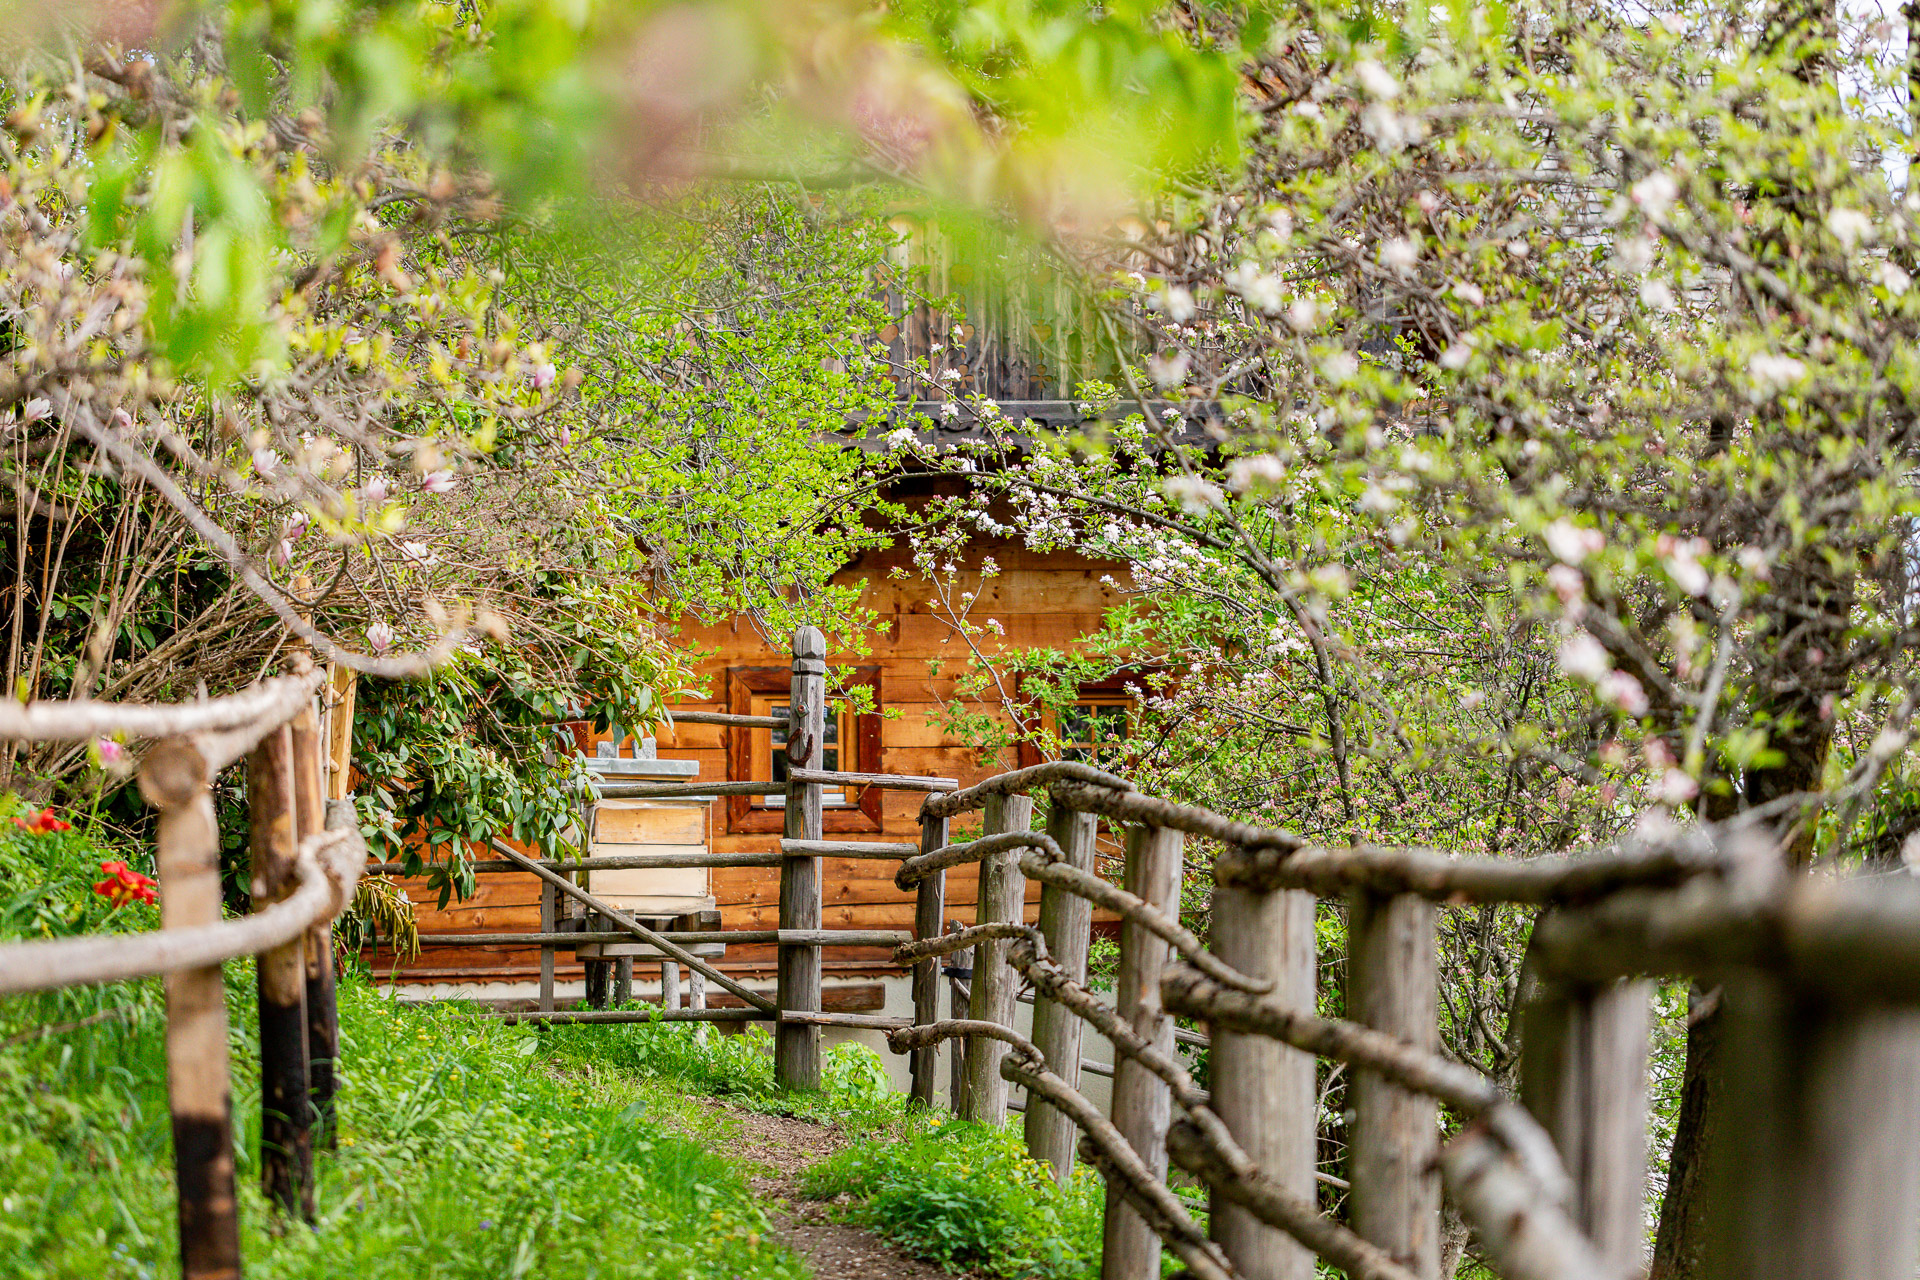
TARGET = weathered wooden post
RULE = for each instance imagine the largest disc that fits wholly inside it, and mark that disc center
(669, 984)
(323, 1013)
(173, 779)
(549, 923)
(1066, 921)
(929, 917)
(1262, 1090)
(697, 999)
(959, 991)
(1583, 1074)
(1393, 986)
(1142, 1106)
(1818, 1167)
(1001, 899)
(286, 1108)
(796, 1050)
(599, 973)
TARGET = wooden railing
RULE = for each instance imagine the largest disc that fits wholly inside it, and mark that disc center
(1820, 980)
(307, 856)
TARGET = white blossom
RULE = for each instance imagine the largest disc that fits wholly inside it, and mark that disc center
(1657, 294)
(1260, 470)
(1469, 292)
(1772, 373)
(266, 462)
(1620, 689)
(1849, 227)
(1388, 129)
(1570, 587)
(35, 409)
(1177, 304)
(418, 552)
(1585, 658)
(1376, 79)
(1674, 787)
(1376, 500)
(380, 637)
(900, 438)
(1633, 255)
(1399, 255)
(949, 410)
(1655, 194)
(1681, 559)
(1192, 494)
(1303, 314)
(1455, 357)
(1261, 289)
(437, 482)
(1570, 543)
(1894, 279)
(375, 490)
(1168, 371)
(1340, 366)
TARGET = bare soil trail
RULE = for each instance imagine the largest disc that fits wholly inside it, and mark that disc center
(777, 1150)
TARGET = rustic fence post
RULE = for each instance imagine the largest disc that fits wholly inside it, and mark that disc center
(323, 1011)
(286, 1108)
(173, 779)
(1066, 921)
(959, 991)
(1262, 1090)
(796, 1051)
(697, 999)
(929, 918)
(1817, 1171)
(1142, 1107)
(549, 924)
(1001, 898)
(669, 984)
(1393, 986)
(1583, 1074)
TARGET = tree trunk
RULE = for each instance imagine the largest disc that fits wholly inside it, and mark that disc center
(1679, 1248)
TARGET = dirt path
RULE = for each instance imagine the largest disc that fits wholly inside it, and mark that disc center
(778, 1148)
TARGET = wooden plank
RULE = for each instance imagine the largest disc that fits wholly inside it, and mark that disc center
(852, 850)
(173, 779)
(649, 822)
(929, 917)
(1262, 1090)
(1142, 1106)
(1394, 1141)
(1066, 920)
(1002, 892)
(890, 781)
(796, 1050)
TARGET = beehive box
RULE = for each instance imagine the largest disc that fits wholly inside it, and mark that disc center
(622, 827)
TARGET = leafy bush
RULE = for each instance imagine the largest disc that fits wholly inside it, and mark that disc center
(964, 1194)
(465, 1151)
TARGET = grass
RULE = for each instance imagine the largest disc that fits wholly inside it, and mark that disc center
(467, 1149)
(967, 1195)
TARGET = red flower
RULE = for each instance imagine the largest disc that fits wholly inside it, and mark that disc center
(42, 823)
(124, 885)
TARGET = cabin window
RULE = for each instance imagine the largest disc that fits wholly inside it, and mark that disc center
(770, 748)
(1094, 731)
(852, 745)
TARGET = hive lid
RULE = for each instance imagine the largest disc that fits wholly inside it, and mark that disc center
(607, 763)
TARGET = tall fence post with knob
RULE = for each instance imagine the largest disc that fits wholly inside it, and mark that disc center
(1142, 1105)
(796, 1053)
(1001, 898)
(286, 1109)
(1262, 1090)
(173, 779)
(1066, 921)
(929, 918)
(1393, 986)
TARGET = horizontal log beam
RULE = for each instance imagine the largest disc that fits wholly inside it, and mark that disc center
(1027, 779)
(869, 1021)
(265, 706)
(887, 781)
(590, 1016)
(682, 790)
(727, 719)
(847, 849)
(611, 862)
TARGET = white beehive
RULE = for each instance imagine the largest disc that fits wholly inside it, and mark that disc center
(623, 827)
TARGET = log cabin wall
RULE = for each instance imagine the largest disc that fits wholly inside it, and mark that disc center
(914, 660)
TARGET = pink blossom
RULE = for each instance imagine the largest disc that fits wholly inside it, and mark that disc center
(380, 637)
(1570, 587)
(282, 553)
(437, 482)
(375, 490)
(1621, 690)
(1674, 787)
(542, 375)
(1584, 657)
(110, 751)
(1570, 543)
(122, 420)
(297, 524)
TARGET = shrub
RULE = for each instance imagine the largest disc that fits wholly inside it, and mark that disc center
(964, 1194)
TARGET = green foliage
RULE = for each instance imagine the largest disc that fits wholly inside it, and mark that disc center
(465, 1151)
(967, 1195)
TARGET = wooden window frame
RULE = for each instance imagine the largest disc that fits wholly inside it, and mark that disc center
(750, 815)
(1128, 686)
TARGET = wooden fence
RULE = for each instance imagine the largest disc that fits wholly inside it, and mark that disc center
(307, 856)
